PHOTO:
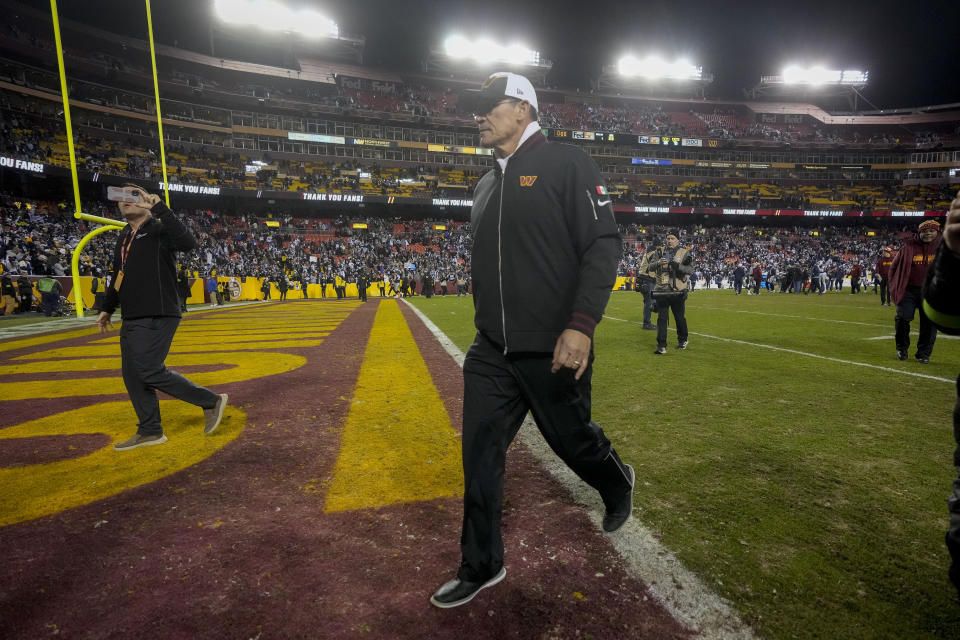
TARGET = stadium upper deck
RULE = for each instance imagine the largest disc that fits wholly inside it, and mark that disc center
(318, 114)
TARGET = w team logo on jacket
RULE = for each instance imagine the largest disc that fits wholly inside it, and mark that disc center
(527, 181)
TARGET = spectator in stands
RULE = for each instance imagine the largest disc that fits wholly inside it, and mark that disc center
(543, 212)
(143, 282)
(25, 289)
(941, 302)
(907, 273)
(8, 296)
(50, 290)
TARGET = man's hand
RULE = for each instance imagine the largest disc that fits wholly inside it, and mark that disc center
(103, 322)
(572, 351)
(951, 230)
(147, 200)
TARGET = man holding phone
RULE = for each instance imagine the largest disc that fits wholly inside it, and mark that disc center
(143, 282)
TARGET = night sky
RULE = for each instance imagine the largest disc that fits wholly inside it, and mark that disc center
(912, 49)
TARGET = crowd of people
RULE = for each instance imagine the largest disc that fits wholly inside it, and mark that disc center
(37, 238)
(784, 255)
(353, 94)
(32, 136)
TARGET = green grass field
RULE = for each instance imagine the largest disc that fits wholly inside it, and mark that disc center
(786, 456)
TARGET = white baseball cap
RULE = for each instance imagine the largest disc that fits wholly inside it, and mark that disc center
(499, 85)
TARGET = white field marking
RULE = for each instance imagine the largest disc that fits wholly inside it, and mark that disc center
(803, 353)
(73, 322)
(681, 592)
(784, 315)
(940, 336)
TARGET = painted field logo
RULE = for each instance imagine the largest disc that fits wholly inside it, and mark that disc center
(527, 181)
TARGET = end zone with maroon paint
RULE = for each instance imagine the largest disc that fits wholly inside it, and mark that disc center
(239, 544)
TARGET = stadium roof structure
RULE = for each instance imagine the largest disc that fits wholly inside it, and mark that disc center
(815, 85)
(474, 60)
(653, 76)
(243, 40)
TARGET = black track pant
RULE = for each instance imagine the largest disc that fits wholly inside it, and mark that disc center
(144, 344)
(498, 392)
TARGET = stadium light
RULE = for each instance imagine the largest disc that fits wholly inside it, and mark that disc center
(484, 50)
(276, 17)
(654, 67)
(820, 76)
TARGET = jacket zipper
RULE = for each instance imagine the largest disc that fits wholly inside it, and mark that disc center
(159, 281)
(592, 206)
(503, 311)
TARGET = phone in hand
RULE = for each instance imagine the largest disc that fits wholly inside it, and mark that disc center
(124, 194)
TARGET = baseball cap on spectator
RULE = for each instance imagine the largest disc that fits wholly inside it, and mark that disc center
(495, 88)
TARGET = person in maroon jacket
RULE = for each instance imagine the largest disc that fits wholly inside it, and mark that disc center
(907, 273)
(757, 278)
(856, 272)
(882, 269)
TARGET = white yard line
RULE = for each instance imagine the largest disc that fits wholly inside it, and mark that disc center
(803, 353)
(784, 315)
(681, 592)
(73, 322)
(891, 337)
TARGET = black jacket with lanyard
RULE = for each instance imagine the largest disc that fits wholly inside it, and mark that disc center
(149, 284)
(546, 247)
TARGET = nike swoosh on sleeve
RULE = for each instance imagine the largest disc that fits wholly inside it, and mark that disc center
(601, 203)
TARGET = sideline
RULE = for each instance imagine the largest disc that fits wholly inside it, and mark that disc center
(803, 353)
(679, 590)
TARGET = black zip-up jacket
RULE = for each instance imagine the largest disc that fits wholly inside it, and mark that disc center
(941, 291)
(149, 286)
(546, 247)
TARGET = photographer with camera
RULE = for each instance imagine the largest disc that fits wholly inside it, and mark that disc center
(143, 282)
(645, 283)
(670, 265)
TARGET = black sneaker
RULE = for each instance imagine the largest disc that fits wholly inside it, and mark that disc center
(650, 327)
(923, 360)
(660, 351)
(901, 355)
(614, 518)
(458, 592)
(682, 345)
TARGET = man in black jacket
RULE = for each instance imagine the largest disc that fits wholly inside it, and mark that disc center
(25, 288)
(143, 281)
(941, 304)
(545, 255)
